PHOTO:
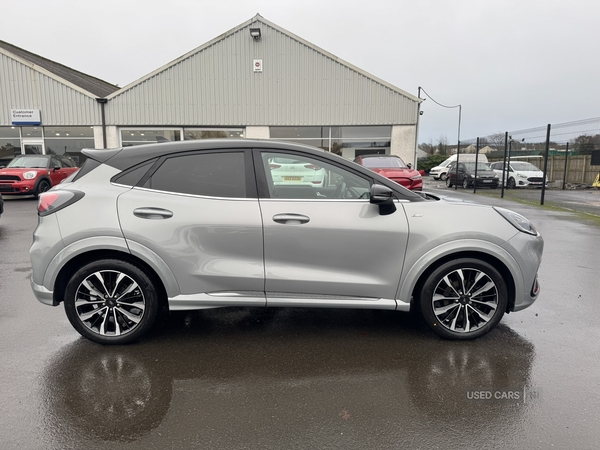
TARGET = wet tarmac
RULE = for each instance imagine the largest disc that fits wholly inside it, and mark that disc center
(307, 379)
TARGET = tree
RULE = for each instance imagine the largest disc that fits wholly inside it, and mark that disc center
(442, 146)
(584, 144)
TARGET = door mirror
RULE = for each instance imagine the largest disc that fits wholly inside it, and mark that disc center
(409, 165)
(2, 167)
(56, 168)
(384, 197)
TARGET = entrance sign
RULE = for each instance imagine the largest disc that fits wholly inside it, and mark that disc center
(25, 117)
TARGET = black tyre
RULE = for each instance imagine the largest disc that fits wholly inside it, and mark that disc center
(42, 186)
(110, 301)
(465, 183)
(463, 299)
(511, 183)
(448, 182)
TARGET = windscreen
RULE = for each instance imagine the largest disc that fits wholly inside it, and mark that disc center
(524, 166)
(29, 162)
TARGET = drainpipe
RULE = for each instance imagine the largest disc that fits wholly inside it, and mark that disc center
(103, 102)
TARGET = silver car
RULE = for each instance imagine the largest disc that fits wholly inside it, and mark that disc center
(202, 224)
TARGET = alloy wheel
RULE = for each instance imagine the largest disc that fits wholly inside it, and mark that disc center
(110, 303)
(465, 300)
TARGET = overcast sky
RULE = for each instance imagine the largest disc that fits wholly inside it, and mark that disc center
(511, 64)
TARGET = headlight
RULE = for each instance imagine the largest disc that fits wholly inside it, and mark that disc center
(472, 176)
(517, 220)
(496, 176)
(416, 177)
(521, 175)
(30, 175)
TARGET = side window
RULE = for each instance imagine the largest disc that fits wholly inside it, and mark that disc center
(303, 177)
(133, 176)
(55, 162)
(208, 174)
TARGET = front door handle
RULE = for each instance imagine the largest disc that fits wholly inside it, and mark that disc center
(291, 219)
(152, 213)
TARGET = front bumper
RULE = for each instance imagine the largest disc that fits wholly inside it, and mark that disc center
(17, 187)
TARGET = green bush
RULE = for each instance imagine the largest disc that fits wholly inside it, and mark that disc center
(427, 163)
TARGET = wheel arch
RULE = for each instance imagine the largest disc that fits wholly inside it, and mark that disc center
(82, 259)
(39, 180)
(494, 261)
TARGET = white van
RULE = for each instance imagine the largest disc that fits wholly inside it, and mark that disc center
(441, 172)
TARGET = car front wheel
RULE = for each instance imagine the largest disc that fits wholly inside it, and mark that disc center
(465, 183)
(511, 183)
(443, 176)
(111, 301)
(463, 299)
(42, 187)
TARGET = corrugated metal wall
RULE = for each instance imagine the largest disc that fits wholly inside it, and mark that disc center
(298, 86)
(23, 87)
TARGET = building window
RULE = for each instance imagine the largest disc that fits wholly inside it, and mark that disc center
(191, 134)
(69, 141)
(315, 136)
(141, 136)
(348, 142)
(10, 144)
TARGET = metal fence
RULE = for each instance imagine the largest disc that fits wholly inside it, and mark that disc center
(568, 153)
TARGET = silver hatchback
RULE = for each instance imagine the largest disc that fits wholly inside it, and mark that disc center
(205, 224)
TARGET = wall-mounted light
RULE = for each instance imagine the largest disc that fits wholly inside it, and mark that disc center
(255, 33)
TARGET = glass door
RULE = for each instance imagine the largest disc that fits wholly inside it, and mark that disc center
(33, 147)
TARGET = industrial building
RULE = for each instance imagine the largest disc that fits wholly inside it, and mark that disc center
(257, 80)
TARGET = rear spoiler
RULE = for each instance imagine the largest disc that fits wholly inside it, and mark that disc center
(100, 155)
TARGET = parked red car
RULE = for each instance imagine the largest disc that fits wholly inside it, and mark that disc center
(392, 167)
(34, 174)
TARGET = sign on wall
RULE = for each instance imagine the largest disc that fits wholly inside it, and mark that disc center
(258, 65)
(25, 117)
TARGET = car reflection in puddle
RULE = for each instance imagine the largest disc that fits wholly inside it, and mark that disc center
(273, 377)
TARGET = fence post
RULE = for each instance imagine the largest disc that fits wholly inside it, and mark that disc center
(584, 167)
(546, 163)
(566, 166)
(476, 162)
(504, 168)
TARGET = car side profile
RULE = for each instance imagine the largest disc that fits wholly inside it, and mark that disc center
(204, 224)
(34, 174)
(468, 174)
(394, 168)
(519, 174)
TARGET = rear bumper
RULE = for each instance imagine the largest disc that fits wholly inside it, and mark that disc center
(43, 295)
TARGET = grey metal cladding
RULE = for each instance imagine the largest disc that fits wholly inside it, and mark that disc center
(215, 85)
(52, 94)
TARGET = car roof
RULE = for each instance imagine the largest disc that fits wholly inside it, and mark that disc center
(125, 157)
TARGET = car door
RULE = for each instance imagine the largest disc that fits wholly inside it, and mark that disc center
(198, 212)
(57, 171)
(328, 245)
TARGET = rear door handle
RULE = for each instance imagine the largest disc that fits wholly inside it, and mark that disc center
(291, 219)
(152, 213)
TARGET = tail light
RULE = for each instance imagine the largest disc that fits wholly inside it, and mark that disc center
(312, 166)
(52, 201)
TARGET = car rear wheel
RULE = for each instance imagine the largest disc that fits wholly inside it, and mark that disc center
(448, 182)
(110, 301)
(463, 299)
(42, 187)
